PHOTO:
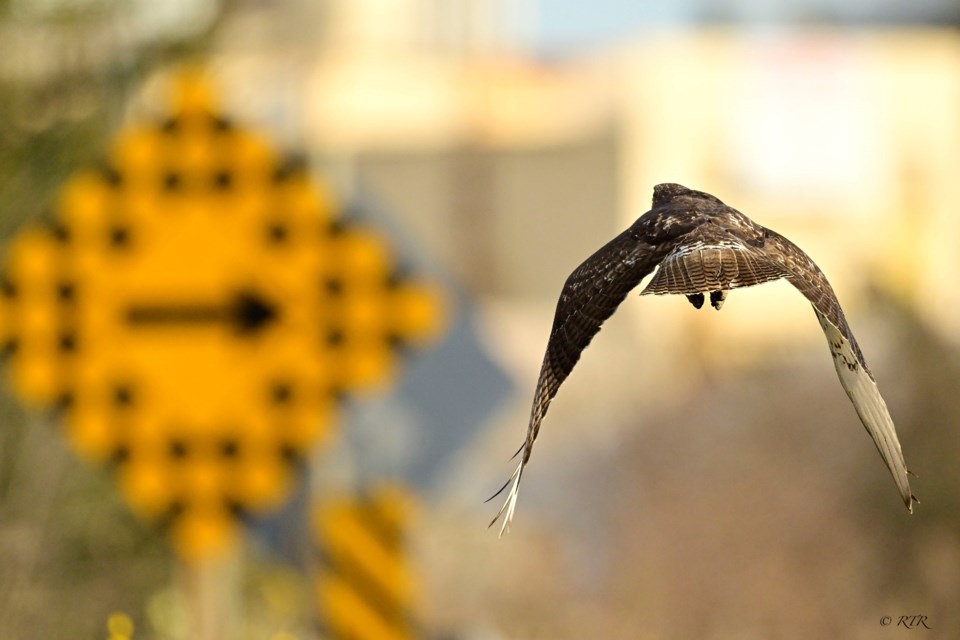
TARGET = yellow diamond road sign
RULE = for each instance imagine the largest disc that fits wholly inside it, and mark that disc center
(195, 310)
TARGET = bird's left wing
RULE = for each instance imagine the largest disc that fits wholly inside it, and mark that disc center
(851, 367)
(590, 295)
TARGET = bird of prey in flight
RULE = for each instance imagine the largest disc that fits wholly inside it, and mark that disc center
(701, 249)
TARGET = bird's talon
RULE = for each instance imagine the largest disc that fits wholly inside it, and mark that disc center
(717, 299)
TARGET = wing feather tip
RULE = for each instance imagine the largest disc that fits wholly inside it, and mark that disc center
(909, 499)
(510, 504)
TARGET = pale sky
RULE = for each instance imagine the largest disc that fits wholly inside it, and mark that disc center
(569, 25)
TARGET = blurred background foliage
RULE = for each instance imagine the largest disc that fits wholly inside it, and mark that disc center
(72, 552)
(701, 475)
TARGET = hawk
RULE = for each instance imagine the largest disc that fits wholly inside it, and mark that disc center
(701, 248)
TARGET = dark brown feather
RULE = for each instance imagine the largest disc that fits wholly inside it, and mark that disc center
(590, 295)
(807, 277)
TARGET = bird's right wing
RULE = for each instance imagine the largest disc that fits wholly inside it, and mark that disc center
(848, 360)
(590, 295)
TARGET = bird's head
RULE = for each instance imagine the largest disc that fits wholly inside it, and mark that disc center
(664, 193)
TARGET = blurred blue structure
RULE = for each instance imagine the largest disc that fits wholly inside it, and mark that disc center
(442, 398)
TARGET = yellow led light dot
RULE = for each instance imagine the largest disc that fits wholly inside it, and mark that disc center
(206, 477)
(36, 375)
(139, 151)
(83, 199)
(33, 258)
(204, 531)
(263, 484)
(364, 314)
(417, 312)
(147, 484)
(38, 319)
(308, 429)
(250, 154)
(363, 257)
(368, 365)
(91, 435)
(193, 94)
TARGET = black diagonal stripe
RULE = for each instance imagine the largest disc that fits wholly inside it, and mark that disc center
(368, 587)
(8, 288)
(371, 515)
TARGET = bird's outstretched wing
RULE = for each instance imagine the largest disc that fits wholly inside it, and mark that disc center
(590, 295)
(852, 369)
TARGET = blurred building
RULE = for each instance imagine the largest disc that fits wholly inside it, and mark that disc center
(513, 169)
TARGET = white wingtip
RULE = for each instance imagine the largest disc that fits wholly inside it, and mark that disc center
(865, 396)
(510, 504)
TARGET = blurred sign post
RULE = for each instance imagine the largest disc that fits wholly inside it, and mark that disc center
(195, 310)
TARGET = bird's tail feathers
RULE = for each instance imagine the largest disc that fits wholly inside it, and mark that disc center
(712, 265)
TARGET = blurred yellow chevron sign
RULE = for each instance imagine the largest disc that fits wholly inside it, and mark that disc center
(193, 310)
(365, 587)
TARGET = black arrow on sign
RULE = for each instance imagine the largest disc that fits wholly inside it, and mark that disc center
(247, 312)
